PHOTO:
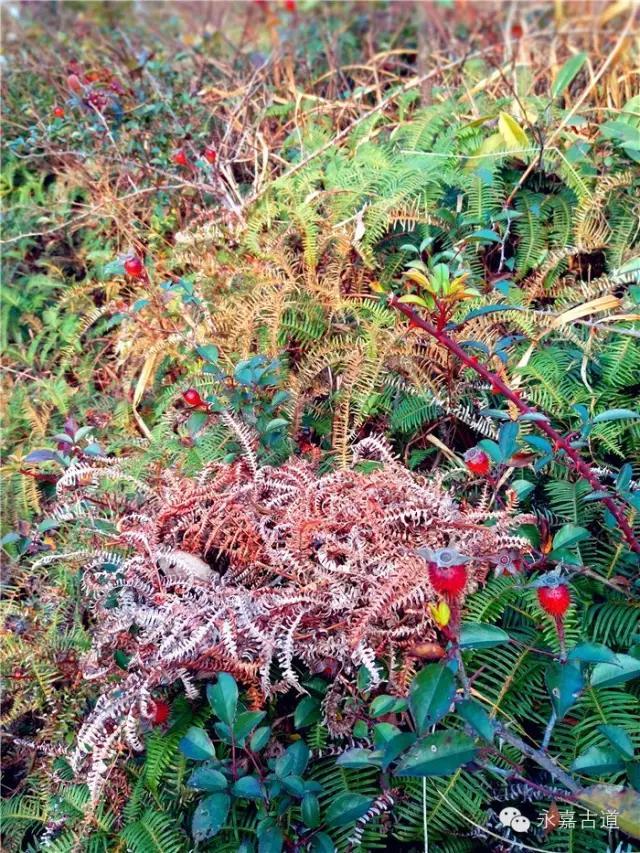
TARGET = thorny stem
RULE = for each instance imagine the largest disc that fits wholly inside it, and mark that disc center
(549, 729)
(560, 442)
(540, 757)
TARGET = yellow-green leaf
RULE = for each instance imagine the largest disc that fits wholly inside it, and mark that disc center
(511, 132)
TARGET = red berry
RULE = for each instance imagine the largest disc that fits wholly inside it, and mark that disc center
(477, 461)
(161, 712)
(192, 398)
(134, 267)
(448, 580)
(554, 600)
(210, 154)
(290, 5)
(58, 112)
(180, 158)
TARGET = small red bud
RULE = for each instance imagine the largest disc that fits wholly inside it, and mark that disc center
(554, 600)
(161, 712)
(180, 158)
(210, 154)
(58, 112)
(192, 397)
(134, 267)
(477, 461)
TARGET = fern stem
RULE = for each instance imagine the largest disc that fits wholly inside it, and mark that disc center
(560, 442)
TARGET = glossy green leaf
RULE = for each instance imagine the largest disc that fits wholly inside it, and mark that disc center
(565, 683)
(196, 744)
(357, 757)
(208, 779)
(627, 668)
(568, 535)
(592, 653)
(477, 635)
(346, 808)
(597, 761)
(430, 695)
(439, 754)
(248, 787)
(619, 739)
(473, 712)
(210, 816)
(382, 705)
(223, 697)
(310, 811)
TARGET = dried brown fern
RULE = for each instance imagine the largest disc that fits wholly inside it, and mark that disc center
(265, 573)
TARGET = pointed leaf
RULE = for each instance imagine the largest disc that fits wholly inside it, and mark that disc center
(593, 653)
(608, 674)
(439, 754)
(620, 741)
(477, 635)
(567, 73)
(207, 779)
(569, 534)
(511, 132)
(196, 744)
(249, 788)
(564, 682)
(223, 697)
(431, 695)
(382, 705)
(473, 712)
(357, 758)
(210, 816)
(598, 761)
(346, 808)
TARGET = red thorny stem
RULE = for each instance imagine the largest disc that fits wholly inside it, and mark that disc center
(559, 442)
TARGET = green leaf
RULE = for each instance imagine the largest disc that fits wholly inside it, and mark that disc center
(431, 695)
(245, 723)
(223, 697)
(569, 534)
(382, 705)
(473, 712)
(619, 739)
(616, 415)
(567, 74)
(357, 758)
(522, 488)
(310, 810)
(511, 132)
(477, 635)
(322, 843)
(270, 839)
(210, 816)
(564, 682)
(276, 423)
(396, 746)
(248, 787)
(597, 761)
(593, 653)
(207, 779)
(299, 754)
(208, 352)
(346, 808)
(307, 712)
(608, 674)
(260, 738)
(439, 754)
(196, 744)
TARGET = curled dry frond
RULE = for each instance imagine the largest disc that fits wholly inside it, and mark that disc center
(264, 572)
